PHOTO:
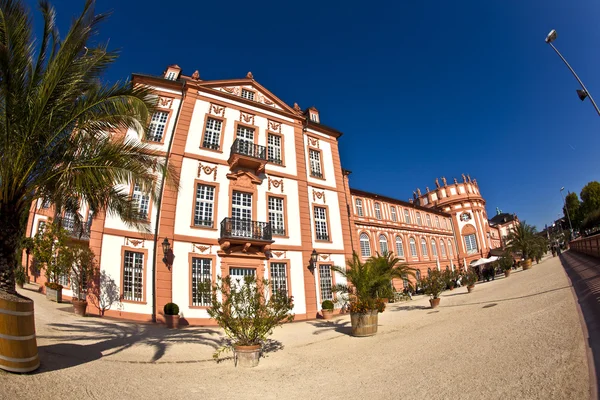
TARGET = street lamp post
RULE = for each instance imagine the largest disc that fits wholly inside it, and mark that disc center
(567, 209)
(581, 93)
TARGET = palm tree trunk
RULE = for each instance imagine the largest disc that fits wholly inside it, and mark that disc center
(10, 235)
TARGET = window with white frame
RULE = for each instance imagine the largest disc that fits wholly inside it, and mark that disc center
(326, 282)
(365, 245)
(201, 274)
(450, 248)
(428, 219)
(245, 138)
(41, 226)
(46, 203)
(321, 223)
(399, 247)
(172, 75)
(314, 117)
(212, 134)
(276, 216)
(442, 248)
(419, 222)
(274, 149)
(205, 203)
(383, 244)
(68, 221)
(394, 216)
(418, 275)
(406, 216)
(424, 247)
(433, 248)
(133, 269)
(437, 221)
(141, 201)
(315, 163)
(444, 223)
(157, 126)
(63, 280)
(359, 208)
(241, 214)
(377, 210)
(471, 243)
(248, 94)
(279, 278)
(413, 247)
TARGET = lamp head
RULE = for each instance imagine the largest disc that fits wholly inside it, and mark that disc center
(551, 36)
(562, 188)
(582, 94)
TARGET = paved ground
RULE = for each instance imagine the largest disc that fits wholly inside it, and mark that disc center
(515, 338)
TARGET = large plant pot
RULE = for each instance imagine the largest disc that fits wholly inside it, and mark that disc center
(364, 324)
(434, 302)
(172, 321)
(507, 273)
(80, 307)
(327, 314)
(246, 356)
(18, 346)
(469, 288)
(451, 287)
(54, 294)
(526, 264)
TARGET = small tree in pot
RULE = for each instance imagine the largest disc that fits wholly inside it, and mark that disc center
(82, 261)
(469, 278)
(327, 309)
(20, 276)
(49, 250)
(434, 285)
(522, 239)
(506, 263)
(247, 311)
(171, 311)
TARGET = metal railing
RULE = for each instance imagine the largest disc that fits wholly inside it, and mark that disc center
(587, 245)
(74, 229)
(249, 149)
(246, 229)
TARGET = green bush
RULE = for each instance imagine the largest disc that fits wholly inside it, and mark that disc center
(171, 309)
(469, 278)
(327, 305)
(434, 284)
(20, 275)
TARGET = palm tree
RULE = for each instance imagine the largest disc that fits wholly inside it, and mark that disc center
(388, 265)
(522, 239)
(58, 125)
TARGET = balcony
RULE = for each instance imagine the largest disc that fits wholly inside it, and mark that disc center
(246, 233)
(75, 230)
(248, 155)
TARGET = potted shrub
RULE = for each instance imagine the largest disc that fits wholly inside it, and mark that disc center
(506, 264)
(20, 276)
(449, 278)
(469, 279)
(327, 309)
(523, 239)
(248, 312)
(49, 251)
(171, 311)
(81, 259)
(434, 285)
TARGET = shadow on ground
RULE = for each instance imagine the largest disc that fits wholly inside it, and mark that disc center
(85, 341)
(407, 308)
(507, 299)
(584, 273)
(339, 325)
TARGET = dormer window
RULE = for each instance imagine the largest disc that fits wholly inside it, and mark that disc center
(314, 117)
(172, 72)
(248, 94)
(171, 75)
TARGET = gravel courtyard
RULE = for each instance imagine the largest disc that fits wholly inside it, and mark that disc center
(515, 338)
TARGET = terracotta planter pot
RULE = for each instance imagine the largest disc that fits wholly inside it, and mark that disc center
(54, 295)
(451, 287)
(20, 285)
(327, 314)
(385, 300)
(246, 356)
(469, 288)
(526, 264)
(507, 273)
(364, 324)
(172, 321)
(434, 302)
(80, 307)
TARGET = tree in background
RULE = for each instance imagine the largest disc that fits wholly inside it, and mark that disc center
(574, 207)
(590, 198)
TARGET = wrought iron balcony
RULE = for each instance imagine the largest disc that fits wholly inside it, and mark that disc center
(248, 155)
(75, 230)
(316, 174)
(247, 230)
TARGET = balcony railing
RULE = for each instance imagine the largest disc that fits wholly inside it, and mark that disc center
(246, 229)
(75, 230)
(322, 236)
(246, 148)
(316, 174)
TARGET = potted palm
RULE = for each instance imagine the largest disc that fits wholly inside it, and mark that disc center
(469, 279)
(434, 285)
(248, 312)
(327, 309)
(171, 311)
(522, 239)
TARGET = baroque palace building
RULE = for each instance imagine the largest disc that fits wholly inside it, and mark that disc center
(261, 189)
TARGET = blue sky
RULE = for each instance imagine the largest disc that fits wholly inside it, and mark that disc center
(420, 89)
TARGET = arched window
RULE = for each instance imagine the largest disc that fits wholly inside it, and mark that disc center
(418, 275)
(447, 268)
(399, 247)
(406, 216)
(377, 210)
(413, 247)
(437, 221)
(359, 208)
(394, 216)
(444, 223)
(433, 248)
(428, 219)
(428, 271)
(383, 244)
(365, 245)
(424, 247)
(419, 222)
(450, 248)
(443, 248)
